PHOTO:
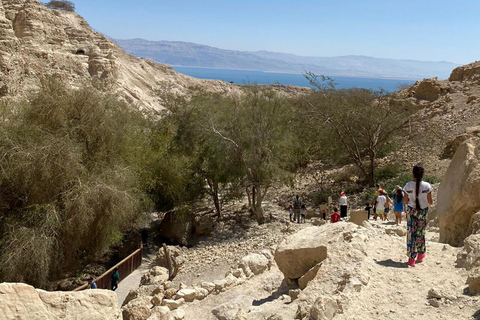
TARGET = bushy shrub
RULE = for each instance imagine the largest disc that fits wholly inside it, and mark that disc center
(70, 178)
(61, 5)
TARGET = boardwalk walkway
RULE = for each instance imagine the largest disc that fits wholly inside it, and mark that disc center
(132, 281)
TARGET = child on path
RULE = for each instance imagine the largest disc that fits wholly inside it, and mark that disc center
(368, 208)
(290, 208)
(418, 197)
(303, 213)
(380, 207)
(398, 205)
(335, 216)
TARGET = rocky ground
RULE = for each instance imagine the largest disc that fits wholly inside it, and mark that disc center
(365, 275)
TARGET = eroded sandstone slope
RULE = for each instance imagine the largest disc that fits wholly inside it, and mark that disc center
(36, 41)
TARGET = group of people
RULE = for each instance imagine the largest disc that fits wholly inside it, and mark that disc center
(115, 279)
(413, 199)
(298, 210)
(382, 204)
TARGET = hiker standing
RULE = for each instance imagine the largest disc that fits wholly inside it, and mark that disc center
(418, 197)
(297, 206)
(343, 204)
(115, 279)
(398, 205)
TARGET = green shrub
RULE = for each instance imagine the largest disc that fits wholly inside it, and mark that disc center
(70, 178)
(61, 5)
(387, 172)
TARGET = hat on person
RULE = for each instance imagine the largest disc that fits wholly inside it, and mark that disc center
(380, 191)
(342, 193)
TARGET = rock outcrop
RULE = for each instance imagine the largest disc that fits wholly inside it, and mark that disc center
(37, 41)
(458, 199)
(21, 301)
(469, 72)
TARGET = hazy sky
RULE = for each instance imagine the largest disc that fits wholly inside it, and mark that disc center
(431, 30)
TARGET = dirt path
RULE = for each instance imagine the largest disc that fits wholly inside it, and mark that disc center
(132, 281)
(394, 291)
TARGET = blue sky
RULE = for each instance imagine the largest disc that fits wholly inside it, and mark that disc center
(432, 30)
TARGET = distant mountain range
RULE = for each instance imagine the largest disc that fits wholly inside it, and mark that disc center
(187, 54)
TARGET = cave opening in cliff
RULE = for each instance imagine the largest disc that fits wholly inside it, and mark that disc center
(80, 52)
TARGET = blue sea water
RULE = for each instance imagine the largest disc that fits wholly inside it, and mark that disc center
(259, 77)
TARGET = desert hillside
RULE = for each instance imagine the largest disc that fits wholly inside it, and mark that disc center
(37, 42)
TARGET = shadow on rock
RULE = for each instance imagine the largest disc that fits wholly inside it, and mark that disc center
(392, 264)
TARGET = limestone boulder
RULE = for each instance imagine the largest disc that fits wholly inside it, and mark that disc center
(303, 250)
(254, 262)
(428, 89)
(136, 313)
(469, 257)
(21, 301)
(187, 294)
(458, 198)
(324, 308)
(230, 309)
(175, 228)
(473, 281)
(398, 230)
(156, 275)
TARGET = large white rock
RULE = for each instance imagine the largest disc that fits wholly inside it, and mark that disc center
(301, 251)
(324, 308)
(255, 262)
(187, 294)
(229, 310)
(21, 301)
(458, 195)
(156, 275)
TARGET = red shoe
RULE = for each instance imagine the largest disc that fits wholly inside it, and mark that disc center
(420, 257)
(411, 262)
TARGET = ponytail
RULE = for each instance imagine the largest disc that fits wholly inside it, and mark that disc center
(418, 175)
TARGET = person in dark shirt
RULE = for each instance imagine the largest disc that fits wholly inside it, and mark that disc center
(368, 208)
(115, 279)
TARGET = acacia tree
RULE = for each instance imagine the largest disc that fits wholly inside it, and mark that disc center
(258, 133)
(211, 164)
(61, 5)
(363, 122)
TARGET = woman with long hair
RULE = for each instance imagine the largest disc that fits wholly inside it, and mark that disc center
(398, 205)
(418, 197)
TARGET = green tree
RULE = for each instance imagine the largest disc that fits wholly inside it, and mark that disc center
(258, 132)
(361, 122)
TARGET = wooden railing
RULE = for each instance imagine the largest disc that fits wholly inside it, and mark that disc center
(125, 267)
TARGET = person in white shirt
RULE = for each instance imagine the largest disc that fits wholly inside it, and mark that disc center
(342, 202)
(418, 197)
(380, 206)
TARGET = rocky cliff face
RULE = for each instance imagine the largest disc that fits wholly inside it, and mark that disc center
(36, 41)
